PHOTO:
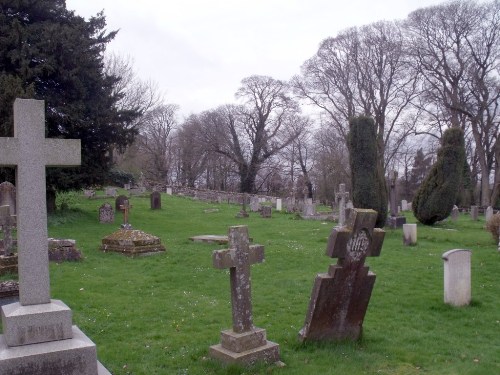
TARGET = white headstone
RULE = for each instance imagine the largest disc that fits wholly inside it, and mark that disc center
(409, 234)
(278, 204)
(404, 205)
(169, 191)
(457, 277)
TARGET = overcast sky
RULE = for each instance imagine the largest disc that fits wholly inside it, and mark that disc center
(198, 51)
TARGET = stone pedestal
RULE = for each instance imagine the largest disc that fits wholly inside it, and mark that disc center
(457, 277)
(245, 348)
(395, 222)
(409, 234)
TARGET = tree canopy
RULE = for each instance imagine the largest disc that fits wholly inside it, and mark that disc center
(49, 53)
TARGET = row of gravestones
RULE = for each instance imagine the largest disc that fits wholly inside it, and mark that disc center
(107, 213)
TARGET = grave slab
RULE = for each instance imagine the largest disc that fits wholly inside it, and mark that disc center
(132, 242)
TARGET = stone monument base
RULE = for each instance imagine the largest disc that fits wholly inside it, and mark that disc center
(394, 222)
(132, 242)
(75, 356)
(8, 264)
(245, 348)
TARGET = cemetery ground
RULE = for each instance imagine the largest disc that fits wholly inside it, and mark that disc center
(159, 314)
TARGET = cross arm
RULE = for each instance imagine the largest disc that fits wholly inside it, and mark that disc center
(227, 258)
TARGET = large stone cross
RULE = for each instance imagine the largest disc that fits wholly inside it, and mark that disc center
(341, 196)
(7, 221)
(339, 299)
(238, 259)
(30, 152)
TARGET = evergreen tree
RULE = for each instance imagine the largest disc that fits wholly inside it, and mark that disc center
(436, 196)
(368, 182)
(421, 166)
(49, 53)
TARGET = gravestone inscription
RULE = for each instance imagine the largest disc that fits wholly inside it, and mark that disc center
(339, 298)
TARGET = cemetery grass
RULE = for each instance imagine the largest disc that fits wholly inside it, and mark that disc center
(159, 314)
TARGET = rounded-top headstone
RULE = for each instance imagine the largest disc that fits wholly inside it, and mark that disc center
(119, 201)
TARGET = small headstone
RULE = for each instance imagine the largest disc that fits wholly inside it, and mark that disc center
(404, 205)
(278, 204)
(266, 211)
(409, 234)
(455, 213)
(119, 202)
(106, 214)
(8, 196)
(169, 191)
(457, 277)
(339, 298)
(474, 212)
(155, 200)
(245, 343)
(111, 192)
(488, 213)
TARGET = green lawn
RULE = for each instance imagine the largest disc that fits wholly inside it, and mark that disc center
(159, 314)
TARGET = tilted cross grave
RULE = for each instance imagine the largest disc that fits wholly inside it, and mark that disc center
(340, 297)
(38, 335)
(245, 343)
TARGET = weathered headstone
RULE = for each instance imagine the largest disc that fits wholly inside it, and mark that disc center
(38, 337)
(119, 202)
(254, 204)
(474, 212)
(278, 204)
(404, 205)
(488, 214)
(266, 211)
(339, 298)
(155, 200)
(245, 343)
(455, 213)
(457, 277)
(341, 196)
(409, 234)
(8, 196)
(106, 214)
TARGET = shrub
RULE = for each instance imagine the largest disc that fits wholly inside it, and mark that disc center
(493, 226)
(436, 196)
(368, 182)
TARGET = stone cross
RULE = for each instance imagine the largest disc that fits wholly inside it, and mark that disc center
(7, 221)
(30, 152)
(238, 259)
(339, 299)
(341, 196)
(126, 206)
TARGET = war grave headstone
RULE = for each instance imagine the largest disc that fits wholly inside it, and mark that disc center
(457, 277)
(155, 200)
(488, 214)
(8, 196)
(38, 335)
(395, 220)
(244, 343)
(106, 214)
(455, 213)
(169, 191)
(341, 196)
(409, 234)
(8, 259)
(266, 211)
(340, 298)
(474, 212)
(279, 203)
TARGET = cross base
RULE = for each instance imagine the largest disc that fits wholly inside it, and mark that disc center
(32, 324)
(245, 348)
(75, 356)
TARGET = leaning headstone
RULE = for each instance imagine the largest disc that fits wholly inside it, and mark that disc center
(455, 213)
(106, 214)
(341, 196)
(155, 200)
(474, 212)
(409, 234)
(8, 196)
(339, 298)
(38, 334)
(278, 204)
(488, 214)
(266, 211)
(245, 343)
(457, 277)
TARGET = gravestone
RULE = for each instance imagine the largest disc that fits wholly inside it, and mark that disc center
(474, 212)
(266, 211)
(409, 234)
(309, 208)
(155, 200)
(404, 205)
(488, 214)
(245, 343)
(395, 220)
(38, 335)
(278, 204)
(8, 196)
(119, 202)
(341, 196)
(89, 193)
(169, 191)
(106, 214)
(457, 277)
(455, 213)
(339, 298)
(111, 191)
(254, 204)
